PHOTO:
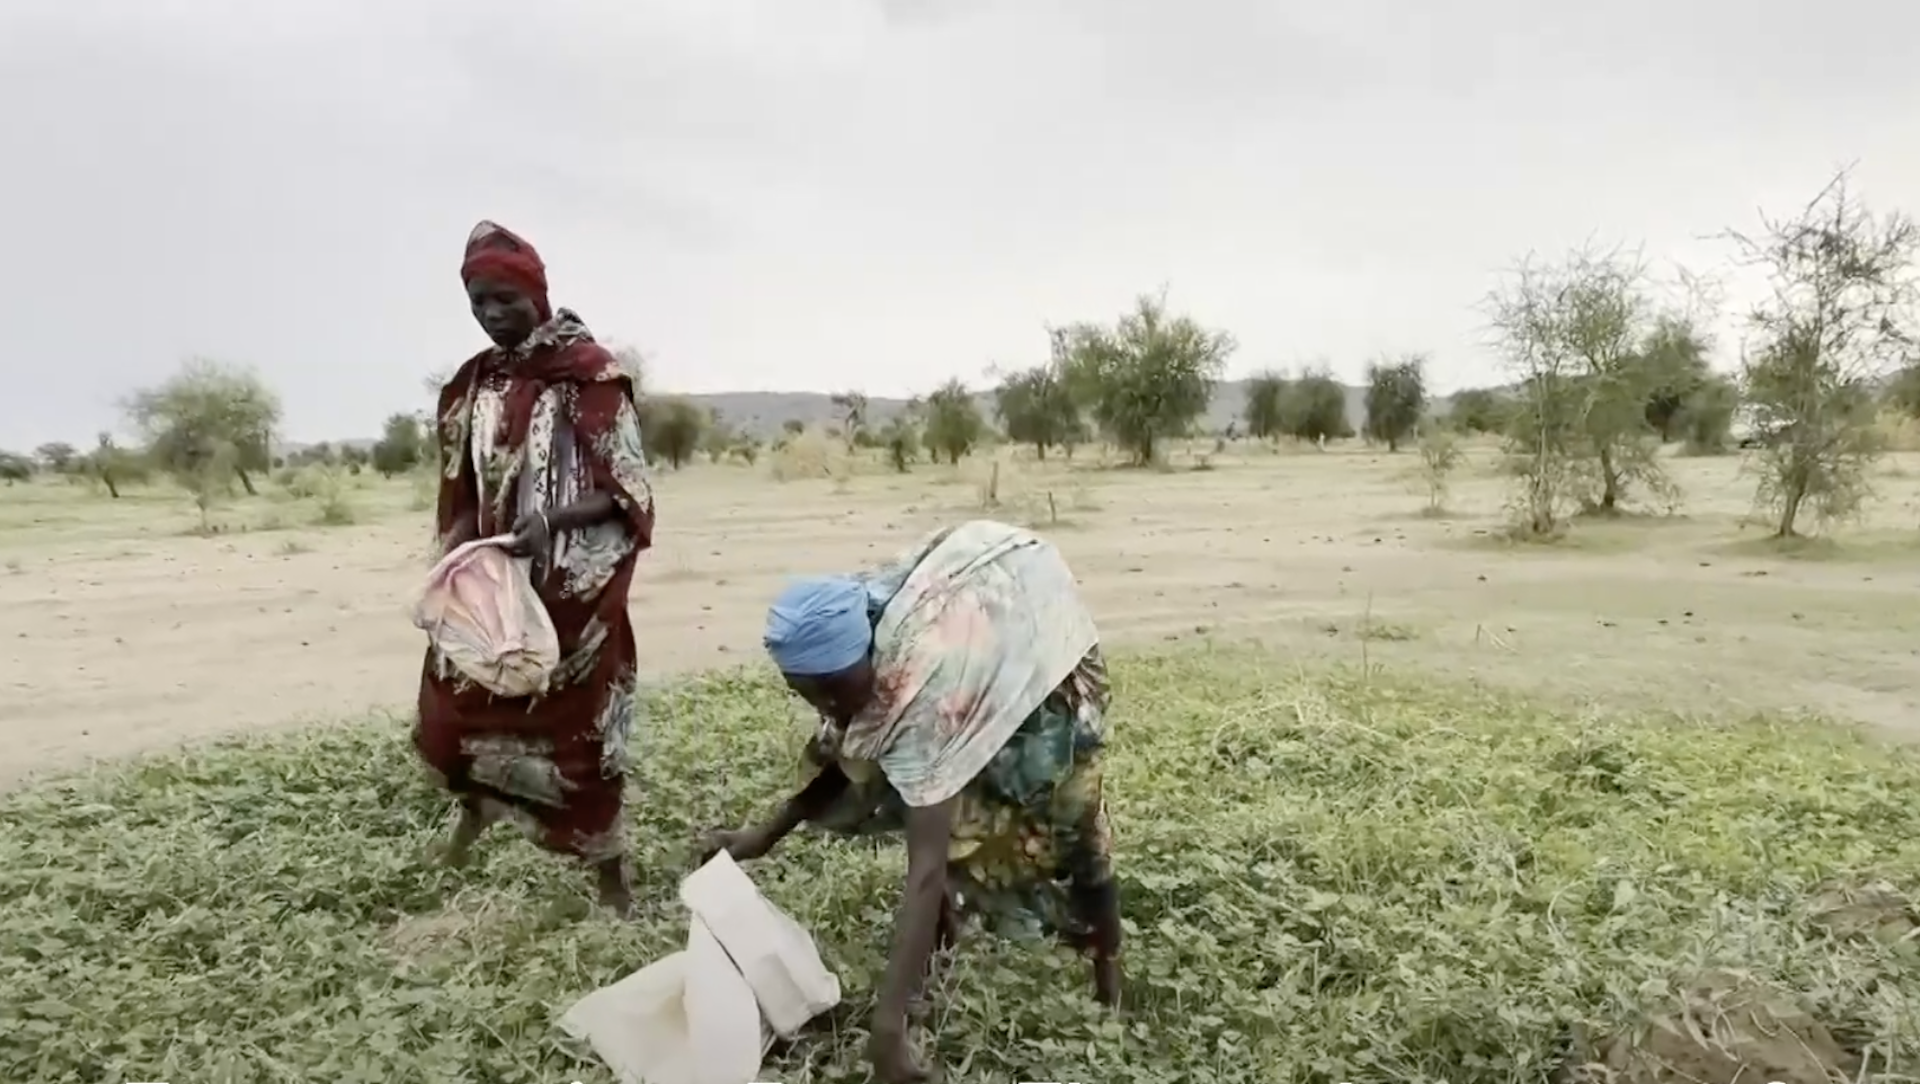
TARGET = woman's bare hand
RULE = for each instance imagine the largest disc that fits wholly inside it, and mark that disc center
(532, 537)
(893, 1060)
(741, 844)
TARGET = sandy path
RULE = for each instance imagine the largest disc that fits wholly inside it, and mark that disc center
(122, 635)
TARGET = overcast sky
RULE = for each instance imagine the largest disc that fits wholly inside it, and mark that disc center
(816, 194)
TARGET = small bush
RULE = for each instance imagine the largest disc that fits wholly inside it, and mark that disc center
(809, 454)
(1707, 415)
(425, 483)
(1441, 453)
(306, 483)
(331, 489)
(1897, 432)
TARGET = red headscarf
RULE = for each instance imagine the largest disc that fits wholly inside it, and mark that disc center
(495, 252)
(560, 350)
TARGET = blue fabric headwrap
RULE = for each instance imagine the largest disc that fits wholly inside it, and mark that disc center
(819, 626)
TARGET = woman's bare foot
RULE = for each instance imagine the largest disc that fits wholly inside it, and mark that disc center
(465, 834)
(1106, 981)
(615, 881)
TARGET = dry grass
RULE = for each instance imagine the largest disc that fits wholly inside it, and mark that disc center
(811, 454)
(1267, 545)
(1899, 432)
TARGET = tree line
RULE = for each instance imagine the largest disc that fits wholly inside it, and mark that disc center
(1606, 367)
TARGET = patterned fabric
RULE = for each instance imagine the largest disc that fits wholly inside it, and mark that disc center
(1030, 834)
(985, 623)
(1031, 844)
(532, 430)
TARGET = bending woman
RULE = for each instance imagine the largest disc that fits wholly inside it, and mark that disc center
(540, 436)
(963, 699)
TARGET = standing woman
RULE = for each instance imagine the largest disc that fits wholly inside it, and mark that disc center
(540, 437)
(963, 700)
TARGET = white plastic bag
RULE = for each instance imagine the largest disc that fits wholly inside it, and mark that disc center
(777, 957)
(722, 1019)
(686, 1019)
(698, 1016)
(480, 612)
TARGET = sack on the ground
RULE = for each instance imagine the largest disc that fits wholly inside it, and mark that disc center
(481, 614)
(699, 1016)
(687, 1018)
(778, 959)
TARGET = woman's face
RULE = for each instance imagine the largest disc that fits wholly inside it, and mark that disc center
(840, 696)
(506, 314)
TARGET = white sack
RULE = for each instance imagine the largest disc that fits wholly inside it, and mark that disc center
(723, 1021)
(698, 1016)
(644, 1026)
(778, 958)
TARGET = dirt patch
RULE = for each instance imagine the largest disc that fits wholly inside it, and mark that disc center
(123, 634)
(468, 919)
(1726, 1029)
(1876, 909)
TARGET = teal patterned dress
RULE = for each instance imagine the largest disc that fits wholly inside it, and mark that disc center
(1030, 831)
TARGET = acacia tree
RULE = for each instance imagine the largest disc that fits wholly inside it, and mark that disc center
(901, 436)
(719, 439)
(1706, 418)
(402, 445)
(1608, 318)
(1838, 317)
(113, 466)
(1148, 376)
(1549, 405)
(15, 467)
(206, 425)
(953, 423)
(1315, 407)
(671, 428)
(1479, 410)
(57, 456)
(1572, 333)
(1674, 353)
(1036, 407)
(1266, 405)
(851, 408)
(1396, 397)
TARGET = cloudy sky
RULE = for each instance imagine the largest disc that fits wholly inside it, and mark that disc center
(788, 194)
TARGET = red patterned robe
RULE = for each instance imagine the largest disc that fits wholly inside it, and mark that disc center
(528, 430)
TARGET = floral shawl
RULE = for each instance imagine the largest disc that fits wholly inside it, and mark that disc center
(986, 620)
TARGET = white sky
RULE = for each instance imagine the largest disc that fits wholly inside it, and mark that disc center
(815, 194)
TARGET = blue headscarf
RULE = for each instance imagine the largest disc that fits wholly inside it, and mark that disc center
(819, 626)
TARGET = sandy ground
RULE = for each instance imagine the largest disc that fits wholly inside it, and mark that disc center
(123, 632)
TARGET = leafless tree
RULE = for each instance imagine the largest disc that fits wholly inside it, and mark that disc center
(1838, 316)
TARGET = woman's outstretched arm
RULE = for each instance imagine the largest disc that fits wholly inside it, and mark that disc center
(814, 799)
(929, 830)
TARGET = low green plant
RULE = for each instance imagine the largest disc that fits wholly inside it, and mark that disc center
(1325, 878)
(424, 488)
(1441, 453)
(332, 491)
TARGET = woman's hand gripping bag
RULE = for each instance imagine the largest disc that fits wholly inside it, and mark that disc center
(481, 614)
